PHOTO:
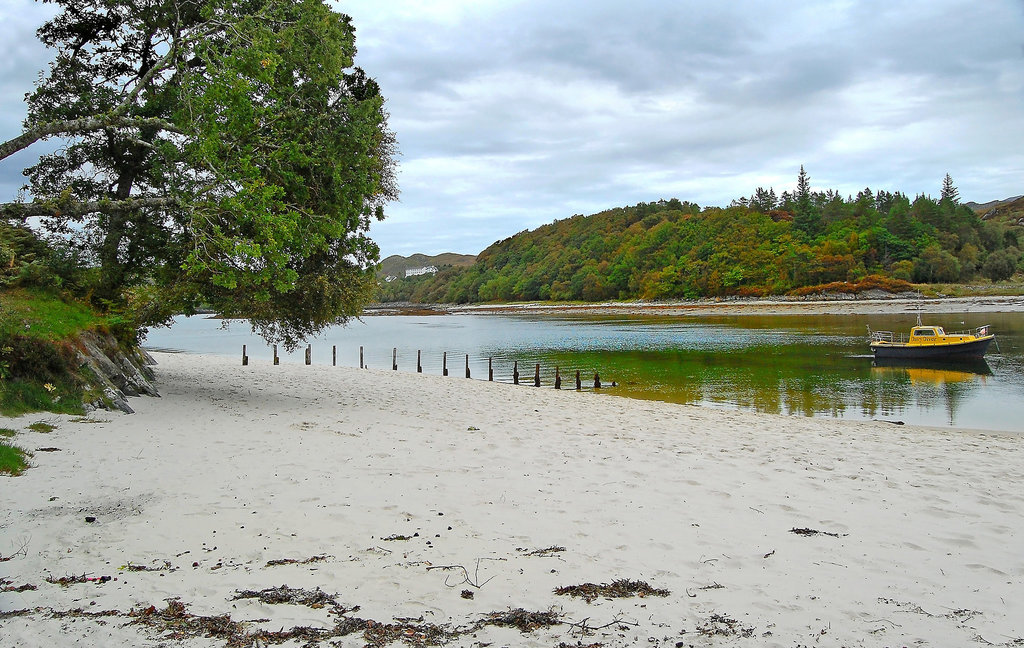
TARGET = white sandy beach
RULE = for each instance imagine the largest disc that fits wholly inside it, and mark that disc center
(234, 467)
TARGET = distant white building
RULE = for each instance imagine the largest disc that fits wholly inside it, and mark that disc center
(415, 272)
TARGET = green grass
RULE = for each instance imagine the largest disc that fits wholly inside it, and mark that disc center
(40, 314)
(18, 397)
(7, 432)
(45, 428)
(12, 459)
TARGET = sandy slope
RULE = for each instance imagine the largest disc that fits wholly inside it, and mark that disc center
(237, 466)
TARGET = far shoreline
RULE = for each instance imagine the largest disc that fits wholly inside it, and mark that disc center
(835, 305)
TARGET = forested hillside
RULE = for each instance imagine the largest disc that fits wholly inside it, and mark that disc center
(761, 245)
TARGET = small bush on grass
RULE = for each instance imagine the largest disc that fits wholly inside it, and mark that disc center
(12, 459)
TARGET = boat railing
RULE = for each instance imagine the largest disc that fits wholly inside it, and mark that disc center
(887, 336)
(980, 331)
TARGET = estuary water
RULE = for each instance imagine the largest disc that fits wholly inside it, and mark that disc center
(797, 365)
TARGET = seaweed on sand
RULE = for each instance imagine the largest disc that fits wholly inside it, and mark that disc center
(622, 588)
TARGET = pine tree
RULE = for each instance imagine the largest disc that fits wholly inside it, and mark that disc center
(808, 217)
(949, 190)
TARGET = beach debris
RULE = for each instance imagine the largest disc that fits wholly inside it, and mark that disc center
(90, 518)
(47, 449)
(315, 599)
(5, 586)
(396, 536)
(584, 629)
(547, 551)
(721, 625)
(174, 622)
(22, 551)
(466, 594)
(415, 634)
(145, 568)
(79, 612)
(466, 579)
(292, 561)
(521, 619)
(67, 581)
(814, 532)
(622, 588)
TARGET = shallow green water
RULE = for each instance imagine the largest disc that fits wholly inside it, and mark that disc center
(794, 365)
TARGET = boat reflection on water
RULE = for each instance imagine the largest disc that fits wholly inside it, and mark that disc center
(932, 372)
(933, 384)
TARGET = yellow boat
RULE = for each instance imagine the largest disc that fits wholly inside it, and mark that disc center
(932, 342)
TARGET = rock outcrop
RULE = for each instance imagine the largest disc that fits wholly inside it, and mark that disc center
(114, 371)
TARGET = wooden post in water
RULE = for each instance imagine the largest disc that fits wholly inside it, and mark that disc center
(394, 359)
(515, 373)
(419, 365)
(309, 354)
(558, 379)
(444, 364)
(536, 375)
(277, 360)
(490, 370)
(597, 381)
(245, 358)
(334, 355)
(579, 385)
(361, 358)
(467, 366)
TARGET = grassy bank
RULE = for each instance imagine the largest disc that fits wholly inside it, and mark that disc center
(37, 355)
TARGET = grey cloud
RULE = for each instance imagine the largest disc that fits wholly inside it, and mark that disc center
(509, 115)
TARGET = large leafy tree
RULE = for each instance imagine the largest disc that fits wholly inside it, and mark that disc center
(222, 152)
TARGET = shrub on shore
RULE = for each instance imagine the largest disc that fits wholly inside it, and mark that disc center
(12, 459)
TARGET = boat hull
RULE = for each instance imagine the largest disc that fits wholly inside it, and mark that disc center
(970, 350)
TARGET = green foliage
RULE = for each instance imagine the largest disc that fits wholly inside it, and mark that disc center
(248, 161)
(42, 427)
(1001, 264)
(760, 246)
(13, 460)
(7, 432)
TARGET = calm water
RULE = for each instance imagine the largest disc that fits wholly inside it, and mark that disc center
(794, 365)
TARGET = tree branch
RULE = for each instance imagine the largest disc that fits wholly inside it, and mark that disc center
(83, 125)
(73, 208)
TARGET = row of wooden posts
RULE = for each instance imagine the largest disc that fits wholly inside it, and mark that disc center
(444, 366)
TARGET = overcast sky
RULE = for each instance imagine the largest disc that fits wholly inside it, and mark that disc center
(512, 114)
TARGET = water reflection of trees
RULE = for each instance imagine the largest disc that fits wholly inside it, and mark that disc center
(792, 381)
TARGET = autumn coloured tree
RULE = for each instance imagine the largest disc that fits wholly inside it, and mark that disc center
(760, 245)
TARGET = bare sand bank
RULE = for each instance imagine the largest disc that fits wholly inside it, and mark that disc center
(428, 508)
